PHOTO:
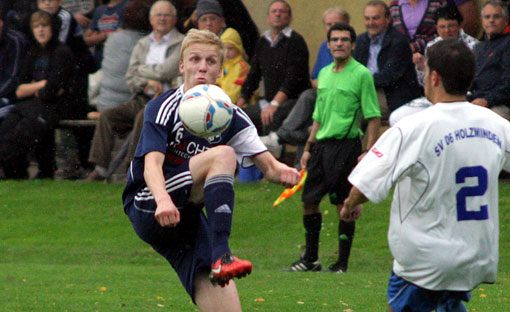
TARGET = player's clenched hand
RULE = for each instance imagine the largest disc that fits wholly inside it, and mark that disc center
(350, 214)
(289, 176)
(167, 215)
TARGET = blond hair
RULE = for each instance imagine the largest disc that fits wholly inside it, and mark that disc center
(195, 36)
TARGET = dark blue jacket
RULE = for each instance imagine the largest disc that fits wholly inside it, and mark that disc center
(492, 79)
(396, 76)
(12, 53)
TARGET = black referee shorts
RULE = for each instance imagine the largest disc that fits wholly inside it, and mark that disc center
(330, 164)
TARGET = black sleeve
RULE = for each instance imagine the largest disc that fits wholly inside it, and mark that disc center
(60, 75)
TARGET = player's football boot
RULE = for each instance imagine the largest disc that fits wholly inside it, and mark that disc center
(227, 267)
(304, 266)
(336, 267)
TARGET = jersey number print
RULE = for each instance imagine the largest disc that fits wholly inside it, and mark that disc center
(469, 191)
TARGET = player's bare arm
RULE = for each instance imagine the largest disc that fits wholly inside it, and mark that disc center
(166, 213)
(351, 210)
(311, 140)
(372, 131)
(276, 171)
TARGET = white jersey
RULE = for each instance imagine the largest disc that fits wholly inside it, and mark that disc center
(444, 163)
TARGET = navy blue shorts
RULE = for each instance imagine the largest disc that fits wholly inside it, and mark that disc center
(406, 297)
(330, 164)
(187, 247)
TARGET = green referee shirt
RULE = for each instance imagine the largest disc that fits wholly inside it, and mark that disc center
(341, 97)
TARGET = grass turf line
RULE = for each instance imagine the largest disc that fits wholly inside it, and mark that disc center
(68, 246)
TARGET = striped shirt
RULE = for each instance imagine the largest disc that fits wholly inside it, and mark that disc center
(164, 132)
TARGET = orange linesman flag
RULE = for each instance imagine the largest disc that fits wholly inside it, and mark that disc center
(288, 192)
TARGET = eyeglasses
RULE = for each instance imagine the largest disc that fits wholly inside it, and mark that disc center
(343, 39)
(495, 16)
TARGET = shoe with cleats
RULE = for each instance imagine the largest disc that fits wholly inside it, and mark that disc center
(337, 268)
(304, 266)
(227, 267)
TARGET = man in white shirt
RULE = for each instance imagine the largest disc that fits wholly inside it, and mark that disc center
(444, 163)
(153, 68)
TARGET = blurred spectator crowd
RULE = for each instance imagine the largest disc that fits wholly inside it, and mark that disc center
(104, 60)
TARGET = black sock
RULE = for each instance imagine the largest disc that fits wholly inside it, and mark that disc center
(219, 204)
(312, 225)
(345, 238)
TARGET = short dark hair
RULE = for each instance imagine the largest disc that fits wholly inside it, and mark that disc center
(380, 3)
(454, 62)
(343, 26)
(282, 1)
(448, 13)
(136, 16)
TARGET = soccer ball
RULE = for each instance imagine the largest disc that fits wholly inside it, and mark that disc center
(206, 110)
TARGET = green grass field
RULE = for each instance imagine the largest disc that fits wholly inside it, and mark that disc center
(67, 246)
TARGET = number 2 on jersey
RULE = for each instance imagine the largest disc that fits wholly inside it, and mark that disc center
(470, 191)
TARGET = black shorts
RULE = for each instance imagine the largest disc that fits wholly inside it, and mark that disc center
(330, 164)
(187, 247)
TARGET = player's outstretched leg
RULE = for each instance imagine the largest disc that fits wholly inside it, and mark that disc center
(227, 267)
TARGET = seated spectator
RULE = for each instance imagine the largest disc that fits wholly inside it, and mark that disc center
(12, 52)
(153, 68)
(210, 17)
(386, 53)
(295, 128)
(106, 19)
(235, 67)
(448, 20)
(281, 61)
(113, 89)
(491, 86)
(236, 16)
(44, 87)
(70, 34)
(81, 9)
(17, 15)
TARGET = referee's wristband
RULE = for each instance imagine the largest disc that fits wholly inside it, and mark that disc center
(309, 145)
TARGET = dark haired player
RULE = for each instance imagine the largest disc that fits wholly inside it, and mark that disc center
(174, 174)
(444, 163)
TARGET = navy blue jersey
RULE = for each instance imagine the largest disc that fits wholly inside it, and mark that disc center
(164, 132)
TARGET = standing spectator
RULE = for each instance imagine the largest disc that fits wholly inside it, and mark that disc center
(281, 60)
(44, 87)
(448, 20)
(386, 53)
(153, 68)
(107, 18)
(415, 19)
(444, 228)
(345, 90)
(491, 86)
(113, 89)
(210, 17)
